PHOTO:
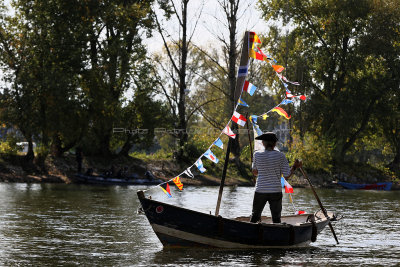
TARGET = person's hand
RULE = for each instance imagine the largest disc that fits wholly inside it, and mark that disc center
(297, 164)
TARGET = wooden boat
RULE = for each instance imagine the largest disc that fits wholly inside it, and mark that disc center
(377, 186)
(180, 227)
(103, 180)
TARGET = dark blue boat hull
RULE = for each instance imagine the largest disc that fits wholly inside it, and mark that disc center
(180, 227)
(101, 180)
(386, 186)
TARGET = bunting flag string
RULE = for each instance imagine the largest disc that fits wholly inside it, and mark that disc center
(240, 119)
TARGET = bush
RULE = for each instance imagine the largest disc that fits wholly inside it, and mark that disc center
(9, 146)
(314, 151)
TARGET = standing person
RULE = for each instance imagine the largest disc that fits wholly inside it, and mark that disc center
(269, 166)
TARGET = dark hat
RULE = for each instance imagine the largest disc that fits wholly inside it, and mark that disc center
(269, 136)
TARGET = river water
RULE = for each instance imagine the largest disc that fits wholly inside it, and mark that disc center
(57, 224)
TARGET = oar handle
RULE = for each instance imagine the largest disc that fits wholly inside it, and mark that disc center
(320, 203)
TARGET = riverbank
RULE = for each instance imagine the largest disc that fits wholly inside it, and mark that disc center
(14, 169)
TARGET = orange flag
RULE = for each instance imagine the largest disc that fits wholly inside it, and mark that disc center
(281, 112)
(178, 183)
(278, 68)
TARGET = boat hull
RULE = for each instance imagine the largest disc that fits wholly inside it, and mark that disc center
(100, 180)
(180, 227)
(386, 186)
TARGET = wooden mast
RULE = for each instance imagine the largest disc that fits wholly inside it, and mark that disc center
(241, 77)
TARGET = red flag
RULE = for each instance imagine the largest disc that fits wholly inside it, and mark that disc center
(166, 189)
(239, 118)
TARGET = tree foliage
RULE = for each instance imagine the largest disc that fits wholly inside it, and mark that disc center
(329, 45)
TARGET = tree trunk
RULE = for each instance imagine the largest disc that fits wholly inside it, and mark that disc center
(183, 137)
(30, 154)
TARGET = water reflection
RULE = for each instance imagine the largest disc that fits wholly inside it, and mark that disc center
(95, 225)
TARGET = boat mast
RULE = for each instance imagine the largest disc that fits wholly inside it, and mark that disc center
(244, 62)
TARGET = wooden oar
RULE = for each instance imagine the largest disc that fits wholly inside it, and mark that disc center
(320, 203)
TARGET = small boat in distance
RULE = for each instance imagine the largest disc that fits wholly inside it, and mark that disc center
(386, 186)
(104, 180)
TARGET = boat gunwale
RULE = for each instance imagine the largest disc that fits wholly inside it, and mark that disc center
(281, 225)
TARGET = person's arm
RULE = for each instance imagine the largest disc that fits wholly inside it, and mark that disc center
(292, 169)
(254, 169)
(296, 165)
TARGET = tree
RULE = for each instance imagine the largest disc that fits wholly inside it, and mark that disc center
(221, 77)
(344, 80)
(43, 57)
(176, 70)
(114, 32)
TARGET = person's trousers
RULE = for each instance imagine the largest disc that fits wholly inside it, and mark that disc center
(275, 205)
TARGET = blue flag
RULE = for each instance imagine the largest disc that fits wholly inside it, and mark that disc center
(208, 154)
(242, 103)
(219, 143)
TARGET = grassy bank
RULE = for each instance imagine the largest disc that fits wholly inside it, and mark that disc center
(14, 168)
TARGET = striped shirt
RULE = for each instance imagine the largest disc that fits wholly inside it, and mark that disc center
(270, 166)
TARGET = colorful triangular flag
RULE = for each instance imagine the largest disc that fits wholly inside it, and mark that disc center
(268, 57)
(289, 95)
(281, 112)
(208, 154)
(253, 38)
(219, 143)
(286, 80)
(286, 185)
(229, 132)
(286, 101)
(199, 164)
(239, 119)
(178, 182)
(188, 173)
(253, 119)
(166, 189)
(249, 87)
(278, 68)
(242, 103)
